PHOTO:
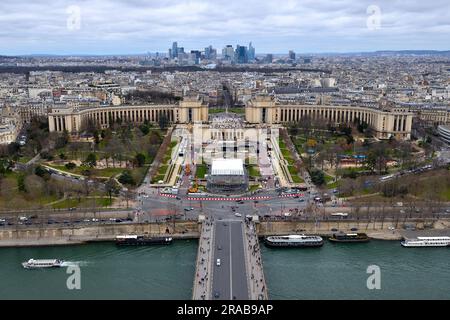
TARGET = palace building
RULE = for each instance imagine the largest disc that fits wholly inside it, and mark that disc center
(72, 119)
(385, 118)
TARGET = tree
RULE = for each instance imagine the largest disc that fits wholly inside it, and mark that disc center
(41, 172)
(317, 177)
(126, 178)
(70, 166)
(111, 188)
(21, 183)
(91, 160)
(140, 159)
(144, 129)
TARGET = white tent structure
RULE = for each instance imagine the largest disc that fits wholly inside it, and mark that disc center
(227, 167)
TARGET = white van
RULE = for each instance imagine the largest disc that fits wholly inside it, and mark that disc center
(218, 262)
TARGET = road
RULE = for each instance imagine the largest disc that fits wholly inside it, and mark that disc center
(230, 278)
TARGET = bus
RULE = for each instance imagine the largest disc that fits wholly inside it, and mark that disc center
(340, 215)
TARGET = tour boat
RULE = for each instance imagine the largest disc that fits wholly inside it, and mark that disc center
(138, 240)
(294, 241)
(421, 242)
(349, 237)
(42, 263)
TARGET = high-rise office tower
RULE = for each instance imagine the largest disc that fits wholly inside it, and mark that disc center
(251, 52)
(292, 55)
(174, 50)
(241, 54)
(209, 51)
(228, 52)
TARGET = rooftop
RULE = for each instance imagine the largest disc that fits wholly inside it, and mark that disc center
(227, 167)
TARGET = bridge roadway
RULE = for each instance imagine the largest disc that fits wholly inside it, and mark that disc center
(229, 281)
(239, 275)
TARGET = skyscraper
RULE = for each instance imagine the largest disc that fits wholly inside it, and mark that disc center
(210, 53)
(241, 54)
(174, 50)
(251, 52)
(228, 52)
(292, 55)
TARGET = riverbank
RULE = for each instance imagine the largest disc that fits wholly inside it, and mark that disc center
(60, 236)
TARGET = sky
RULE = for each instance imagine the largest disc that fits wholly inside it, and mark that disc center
(274, 26)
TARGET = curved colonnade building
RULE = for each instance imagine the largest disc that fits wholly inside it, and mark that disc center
(444, 133)
(387, 121)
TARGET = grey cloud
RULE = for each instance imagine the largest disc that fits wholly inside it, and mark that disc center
(126, 26)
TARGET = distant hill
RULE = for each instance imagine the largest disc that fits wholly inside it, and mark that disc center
(414, 52)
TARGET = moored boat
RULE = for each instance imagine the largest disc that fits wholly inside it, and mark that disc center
(42, 263)
(294, 241)
(140, 240)
(349, 237)
(423, 242)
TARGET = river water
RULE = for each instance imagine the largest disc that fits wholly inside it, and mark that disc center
(335, 271)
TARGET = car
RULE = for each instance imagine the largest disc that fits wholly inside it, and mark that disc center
(95, 220)
(2, 220)
(391, 228)
(219, 247)
(238, 215)
(334, 230)
(354, 229)
(218, 262)
(119, 220)
(178, 198)
(301, 200)
(145, 195)
(216, 294)
(23, 218)
(188, 209)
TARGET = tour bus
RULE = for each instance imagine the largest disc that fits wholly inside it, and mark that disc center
(340, 215)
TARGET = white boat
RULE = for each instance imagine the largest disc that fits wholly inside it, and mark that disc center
(42, 263)
(294, 241)
(426, 242)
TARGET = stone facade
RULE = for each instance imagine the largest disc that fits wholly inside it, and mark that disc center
(72, 119)
(387, 120)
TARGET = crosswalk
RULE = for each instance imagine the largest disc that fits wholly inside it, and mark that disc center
(235, 199)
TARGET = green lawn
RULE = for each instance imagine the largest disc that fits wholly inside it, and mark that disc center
(254, 187)
(201, 171)
(253, 171)
(83, 203)
(445, 195)
(294, 174)
(107, 172)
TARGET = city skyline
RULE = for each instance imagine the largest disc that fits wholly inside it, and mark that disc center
(105, 27)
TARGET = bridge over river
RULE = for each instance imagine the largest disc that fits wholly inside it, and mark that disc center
(229, 265)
